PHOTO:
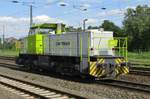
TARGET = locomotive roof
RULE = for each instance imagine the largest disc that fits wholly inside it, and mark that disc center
(47, 25)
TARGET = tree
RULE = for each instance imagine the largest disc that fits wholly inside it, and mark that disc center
(110, 26)
(93, 27)
(69, 28)
(137, 26)
(72, 29)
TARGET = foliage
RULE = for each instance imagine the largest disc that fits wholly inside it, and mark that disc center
(137, 26)
(110, 26)
(72, 29)
(93, 27)
(9, 45)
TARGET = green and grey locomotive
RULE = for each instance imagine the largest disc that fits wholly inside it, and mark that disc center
(94, 53)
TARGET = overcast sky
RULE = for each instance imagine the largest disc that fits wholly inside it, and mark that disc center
(15, 17)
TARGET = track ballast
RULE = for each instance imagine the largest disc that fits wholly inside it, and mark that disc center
(31, 90)
(126, 84)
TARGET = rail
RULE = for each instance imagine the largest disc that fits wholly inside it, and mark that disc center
(7, 57)
(116, 83)
(126, 84)
(34, 90)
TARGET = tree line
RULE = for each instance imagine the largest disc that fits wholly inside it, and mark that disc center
(7, 45)
(136, 26)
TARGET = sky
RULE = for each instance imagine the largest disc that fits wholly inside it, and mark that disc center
(14, 17)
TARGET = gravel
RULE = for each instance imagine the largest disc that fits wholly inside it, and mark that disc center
(6, 94)
(136, 78)
(91, 90)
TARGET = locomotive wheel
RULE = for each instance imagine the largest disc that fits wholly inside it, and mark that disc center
(27, 65)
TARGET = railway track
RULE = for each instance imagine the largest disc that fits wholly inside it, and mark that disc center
(7, 58)
(133, 70)
(140, 68)
(122, 84)
(136, 70)
(126, 85)
(30, 90)
(140, 71)
(118, 83)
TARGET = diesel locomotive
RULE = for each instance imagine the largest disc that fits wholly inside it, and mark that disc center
(94, 52)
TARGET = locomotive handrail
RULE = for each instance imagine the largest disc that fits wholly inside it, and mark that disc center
(80, 49)
(121, 45)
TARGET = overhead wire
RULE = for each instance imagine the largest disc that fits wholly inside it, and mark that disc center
(92, 8)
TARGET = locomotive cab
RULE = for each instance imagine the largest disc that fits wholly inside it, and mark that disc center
(108, 54)
(47, 28)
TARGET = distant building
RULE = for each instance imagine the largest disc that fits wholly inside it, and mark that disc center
(10, 40)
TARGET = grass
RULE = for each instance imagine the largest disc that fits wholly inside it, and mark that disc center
(9, 53)
(139, 58)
